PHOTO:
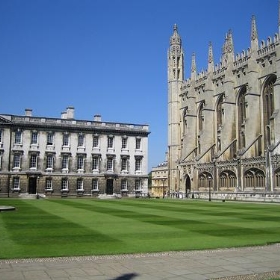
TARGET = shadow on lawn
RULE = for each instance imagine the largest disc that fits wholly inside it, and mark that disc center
(127, 276)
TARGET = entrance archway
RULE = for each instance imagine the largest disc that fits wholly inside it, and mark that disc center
(188, 185)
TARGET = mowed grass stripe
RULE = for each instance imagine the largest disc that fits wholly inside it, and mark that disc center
(214, 227)
(135, 225)
(150, 232)
(202, 207)
(133, 236)
(185, 223)
(153, 214)
(33, 232)
(193, 211)
(120, 209)
(100, 216)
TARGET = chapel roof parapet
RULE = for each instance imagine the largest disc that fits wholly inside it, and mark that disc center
(241, 59)
(267, 47)
(219, 70)
(201, 77)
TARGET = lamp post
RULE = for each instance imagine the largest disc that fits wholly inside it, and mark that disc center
(209, 183)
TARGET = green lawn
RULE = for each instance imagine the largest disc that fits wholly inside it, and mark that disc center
(72, 227)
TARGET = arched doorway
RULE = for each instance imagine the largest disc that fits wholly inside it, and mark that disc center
(188, 185)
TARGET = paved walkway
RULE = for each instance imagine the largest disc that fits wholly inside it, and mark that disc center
(221, 263)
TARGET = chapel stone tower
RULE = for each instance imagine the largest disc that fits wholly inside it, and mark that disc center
(175, 80)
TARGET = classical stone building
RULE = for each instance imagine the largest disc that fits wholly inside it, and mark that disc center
(159, 185)
(224, 123)
(69, 157)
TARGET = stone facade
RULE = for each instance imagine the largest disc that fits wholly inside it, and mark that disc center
(224, 123)
(69, 157)
(159, 185)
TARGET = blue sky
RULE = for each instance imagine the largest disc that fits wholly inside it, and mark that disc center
(109, 57)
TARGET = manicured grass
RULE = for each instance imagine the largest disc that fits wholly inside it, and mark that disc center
(72, 227)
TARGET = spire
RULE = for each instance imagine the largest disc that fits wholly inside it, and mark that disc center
(193, 67)
(227, 50)
(229, 47)
(224, 47)
(254, 34)
(175, 56)
(210, 58)
(175, 38)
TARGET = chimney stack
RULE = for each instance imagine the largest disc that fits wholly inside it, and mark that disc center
(70, 112)
(28, 112)
(97, 118)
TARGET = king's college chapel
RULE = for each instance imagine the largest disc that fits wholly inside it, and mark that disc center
(224, 123)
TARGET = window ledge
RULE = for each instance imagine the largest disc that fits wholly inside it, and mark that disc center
(16, 169)
(49, 170)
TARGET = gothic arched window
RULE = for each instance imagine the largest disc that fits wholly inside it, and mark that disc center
(268, 109)
(205, 180)
(277, 178)
(241, 103)
(219, 117)
(200, 120)
(200, 117)
(227, 179)
(220, 112)
(185, 121)
(254, 178)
